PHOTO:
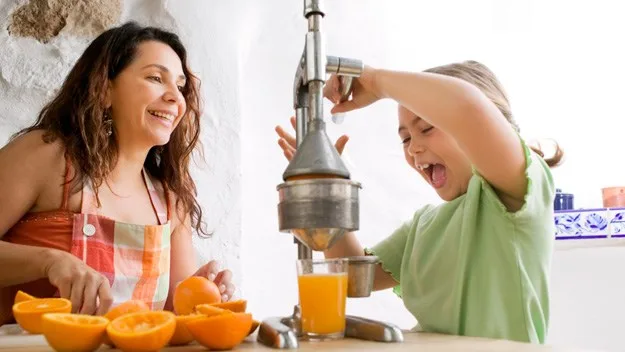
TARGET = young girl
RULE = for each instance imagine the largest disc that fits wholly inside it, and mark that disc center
(97, 200)
(477, 264)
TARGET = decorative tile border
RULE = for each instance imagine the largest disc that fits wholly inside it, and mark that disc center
(582, 224)
(616, 217)
(590, 223)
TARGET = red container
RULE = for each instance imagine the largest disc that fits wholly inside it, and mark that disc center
(613, 197)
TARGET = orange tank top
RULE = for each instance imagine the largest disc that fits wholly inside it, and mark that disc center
(57, 229)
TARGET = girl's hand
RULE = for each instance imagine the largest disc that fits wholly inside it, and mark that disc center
(364, 92)
(288, 144)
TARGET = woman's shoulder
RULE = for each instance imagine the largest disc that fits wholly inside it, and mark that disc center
(36, 142)
(34, 154)
(32, 170)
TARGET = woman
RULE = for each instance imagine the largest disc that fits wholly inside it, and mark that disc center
(97, 200)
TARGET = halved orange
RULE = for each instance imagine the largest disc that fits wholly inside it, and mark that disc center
(182, 336)
(221, 332)
(210, 310)
(22, 296)
(131, 306)
(238, 306)
(28, 313)
(73, 332)
(142, 331)
(255, 324)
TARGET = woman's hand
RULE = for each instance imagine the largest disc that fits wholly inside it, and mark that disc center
(88, 290)
(223, 278)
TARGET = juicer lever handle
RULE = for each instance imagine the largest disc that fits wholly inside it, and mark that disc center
(273, 333)
(367, 329)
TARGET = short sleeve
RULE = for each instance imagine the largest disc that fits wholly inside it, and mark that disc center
(538, 195)
(391, 251)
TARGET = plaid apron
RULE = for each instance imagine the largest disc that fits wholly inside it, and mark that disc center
(134, 258)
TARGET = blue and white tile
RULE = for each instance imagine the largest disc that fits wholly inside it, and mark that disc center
(582, 224)
(616, 217)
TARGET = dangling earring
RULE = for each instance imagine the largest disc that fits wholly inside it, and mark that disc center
(108, 123)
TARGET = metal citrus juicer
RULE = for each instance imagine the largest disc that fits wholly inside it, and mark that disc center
(318, 202)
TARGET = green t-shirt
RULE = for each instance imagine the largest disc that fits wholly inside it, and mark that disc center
(470, 267)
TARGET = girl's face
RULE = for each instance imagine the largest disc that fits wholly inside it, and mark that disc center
(434, 155)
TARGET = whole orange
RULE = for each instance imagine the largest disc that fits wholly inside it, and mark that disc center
(193, 291)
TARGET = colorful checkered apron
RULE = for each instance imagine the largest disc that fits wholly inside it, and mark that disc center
(134, 258)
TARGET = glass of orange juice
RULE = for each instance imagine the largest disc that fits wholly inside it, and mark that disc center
(322, 288)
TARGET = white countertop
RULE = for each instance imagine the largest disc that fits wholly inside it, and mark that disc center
(13, 339)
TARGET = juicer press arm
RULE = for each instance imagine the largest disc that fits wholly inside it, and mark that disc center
(317, 211)
(315, 154)
(346, 69)
(314, 65)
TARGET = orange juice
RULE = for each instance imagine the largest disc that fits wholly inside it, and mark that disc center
(322, 300)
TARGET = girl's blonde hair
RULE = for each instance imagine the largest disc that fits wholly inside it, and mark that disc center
(482, 77)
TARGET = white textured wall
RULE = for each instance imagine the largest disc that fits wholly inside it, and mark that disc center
(558, 60)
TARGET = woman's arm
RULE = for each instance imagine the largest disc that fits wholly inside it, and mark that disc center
(182, 261)
(26, 164)
(184, 265)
